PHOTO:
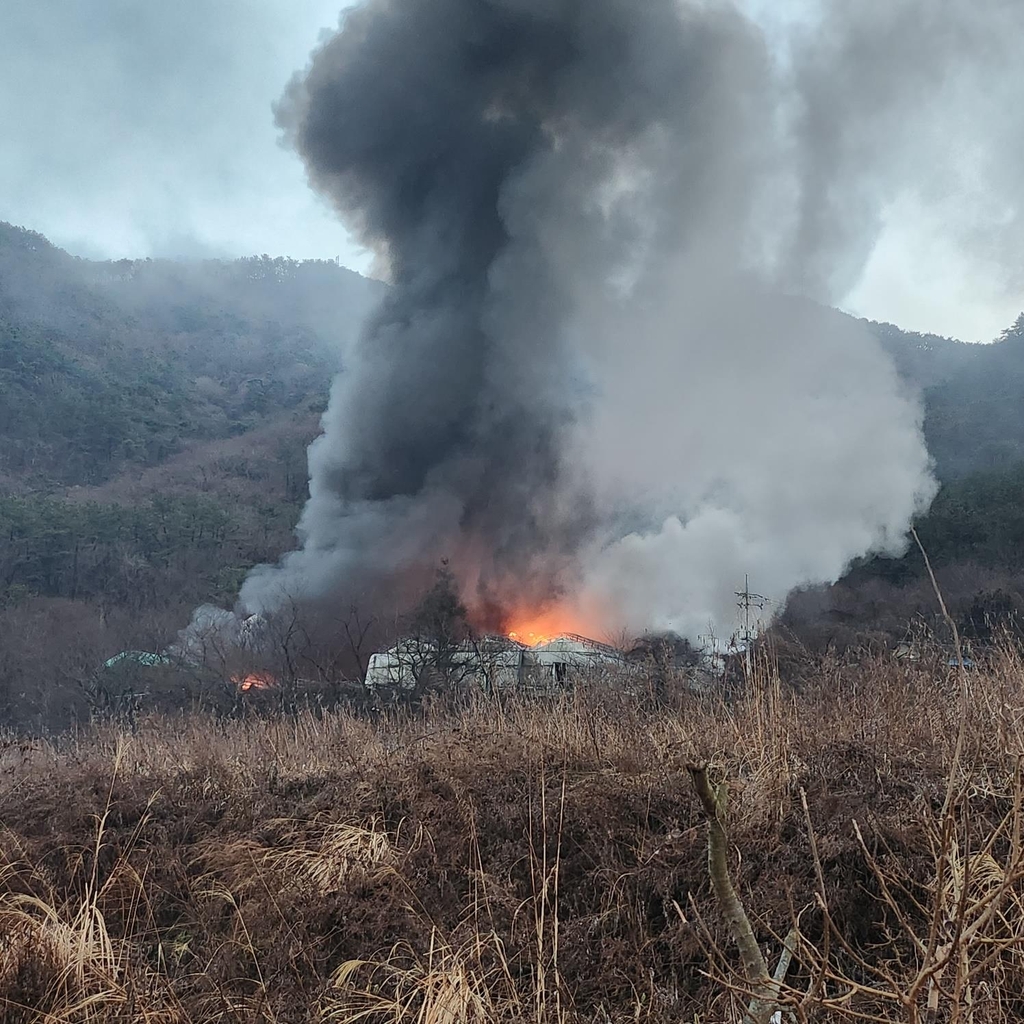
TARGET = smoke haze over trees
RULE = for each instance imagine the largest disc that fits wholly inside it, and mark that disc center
(108, 365)
(105, 549)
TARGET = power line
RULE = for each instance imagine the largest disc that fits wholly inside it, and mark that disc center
(747, 600)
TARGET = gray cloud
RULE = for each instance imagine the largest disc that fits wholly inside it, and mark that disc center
(146, 129)
(891, 99)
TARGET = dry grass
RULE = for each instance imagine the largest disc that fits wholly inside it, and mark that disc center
(444, 985)
(536, 861)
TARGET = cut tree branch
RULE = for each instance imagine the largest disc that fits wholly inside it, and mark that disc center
(765, 1000)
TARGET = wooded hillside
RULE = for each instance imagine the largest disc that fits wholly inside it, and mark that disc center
(105, 367)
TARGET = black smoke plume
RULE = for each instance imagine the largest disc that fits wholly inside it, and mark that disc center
(584, 386)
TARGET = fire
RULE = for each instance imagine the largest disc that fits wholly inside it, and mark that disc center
(254, 681)
(540, 628)
(530, 639)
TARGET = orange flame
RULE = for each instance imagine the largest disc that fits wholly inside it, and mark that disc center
(537, 628)
(530, 639)
(254, 681)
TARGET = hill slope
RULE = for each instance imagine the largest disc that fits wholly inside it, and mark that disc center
(109, 365)
(104, 366)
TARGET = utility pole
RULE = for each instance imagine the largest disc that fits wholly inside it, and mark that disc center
(709, 643)
(748, 600)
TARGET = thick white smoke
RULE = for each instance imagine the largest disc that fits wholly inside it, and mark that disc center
(729, 429)
(587, 387)
(747, 435)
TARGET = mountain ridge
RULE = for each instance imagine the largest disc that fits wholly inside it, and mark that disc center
(106, 366)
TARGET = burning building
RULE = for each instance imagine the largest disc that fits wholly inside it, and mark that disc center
(493, 663)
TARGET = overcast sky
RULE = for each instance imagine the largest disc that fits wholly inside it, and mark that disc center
(142, 127)
(138, 128)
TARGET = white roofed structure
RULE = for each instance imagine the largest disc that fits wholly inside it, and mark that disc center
(492, 662)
